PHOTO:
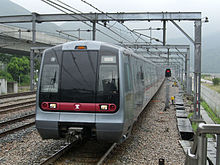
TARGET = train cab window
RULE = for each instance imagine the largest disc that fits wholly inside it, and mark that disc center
(51, 71)
(108, 78)
(50, 77)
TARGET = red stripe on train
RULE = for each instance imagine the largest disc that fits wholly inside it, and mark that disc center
(78, 107)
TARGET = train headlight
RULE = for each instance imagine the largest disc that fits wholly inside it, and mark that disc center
(53, 106)
(104, 107)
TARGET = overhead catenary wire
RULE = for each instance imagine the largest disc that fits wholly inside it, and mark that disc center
(66, 7)
(69, 35)
(109, 28)
(107, 15)
(53, 4)
(136, 33)
(92, 20)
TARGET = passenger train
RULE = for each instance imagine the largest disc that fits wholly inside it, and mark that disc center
(93, 86)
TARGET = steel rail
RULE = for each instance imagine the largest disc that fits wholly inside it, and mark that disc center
(16, 94)
(16, 120)
(19, 108)
(104, 157)
(17, 104)
(15, 99)
(2, 134)
(58, 154)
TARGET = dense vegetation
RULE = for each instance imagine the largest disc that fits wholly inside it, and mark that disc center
(210, 112)
(216, 81)
(17, 68)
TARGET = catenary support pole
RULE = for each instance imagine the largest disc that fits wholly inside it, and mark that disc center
(185, 73)
(188, 88)
(34, 16)
(167, 94)
(218, 150)
(197, 69)
(182, 71)
(94, 30)
(164, 33)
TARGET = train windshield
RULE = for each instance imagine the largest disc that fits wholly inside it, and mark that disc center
(80, 77)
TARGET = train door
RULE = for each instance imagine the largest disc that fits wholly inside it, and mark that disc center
(78, 85)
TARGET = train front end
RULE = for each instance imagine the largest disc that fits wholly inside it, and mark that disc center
(79, 88)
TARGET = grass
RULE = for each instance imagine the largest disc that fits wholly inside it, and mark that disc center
(211, 114)
(207, 77)
(213, 87)
(23, 88)
(194, 124)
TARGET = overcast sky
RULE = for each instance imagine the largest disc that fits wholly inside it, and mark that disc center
(209, 8)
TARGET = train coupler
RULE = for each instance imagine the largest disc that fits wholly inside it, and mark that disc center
(74, 133)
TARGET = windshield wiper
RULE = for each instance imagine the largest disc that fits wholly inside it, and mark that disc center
(53, 80)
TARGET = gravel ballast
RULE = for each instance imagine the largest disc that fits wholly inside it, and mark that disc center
(28, 149)
(154, 136)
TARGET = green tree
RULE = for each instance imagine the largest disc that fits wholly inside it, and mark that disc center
(19, 67)
(5, 75)
(216, 81)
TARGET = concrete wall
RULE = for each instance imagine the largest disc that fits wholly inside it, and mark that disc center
(12, 87)
(212, 98)
(3, 86)
(8, 87)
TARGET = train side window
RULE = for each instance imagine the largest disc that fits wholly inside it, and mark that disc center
(135, 73)
(127, 77)
(141, 73)
(127, 73)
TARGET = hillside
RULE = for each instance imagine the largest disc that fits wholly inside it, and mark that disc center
(210, 52)
(9, 8)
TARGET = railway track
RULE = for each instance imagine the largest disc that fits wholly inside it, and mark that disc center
(89, 152)
(10, 131)
(16, 99)
(16, 120)
(17, 106)
(16, 94)
(58, 154)
(14, 103)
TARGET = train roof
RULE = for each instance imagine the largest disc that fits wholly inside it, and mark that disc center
(91, 45)
(95, 45)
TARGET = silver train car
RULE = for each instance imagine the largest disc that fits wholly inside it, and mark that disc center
(94, 86)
